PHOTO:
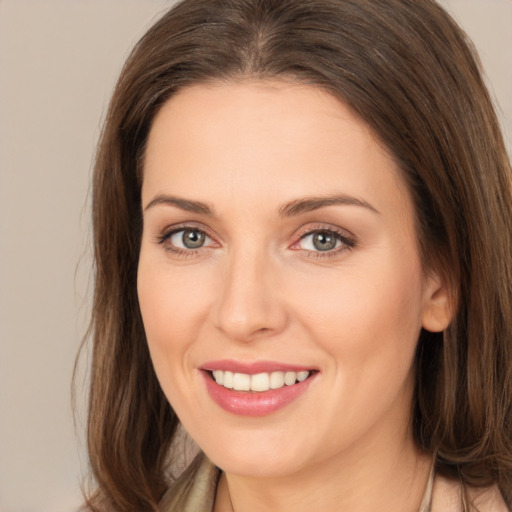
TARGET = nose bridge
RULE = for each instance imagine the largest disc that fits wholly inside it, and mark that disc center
(248, 305)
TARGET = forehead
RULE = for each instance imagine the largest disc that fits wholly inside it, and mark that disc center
(241, 141)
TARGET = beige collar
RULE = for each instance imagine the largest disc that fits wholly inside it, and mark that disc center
(426, 502)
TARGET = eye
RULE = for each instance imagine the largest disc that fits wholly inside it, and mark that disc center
(321, 241)
(189, 238)
(185, 240)
(324, 242)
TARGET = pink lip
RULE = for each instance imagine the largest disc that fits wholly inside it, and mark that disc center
(246, 403)
(252, 368)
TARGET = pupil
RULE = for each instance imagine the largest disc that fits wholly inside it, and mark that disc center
(324, 241)
(193, 239)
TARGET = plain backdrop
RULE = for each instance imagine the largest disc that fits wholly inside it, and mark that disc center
(58, 63)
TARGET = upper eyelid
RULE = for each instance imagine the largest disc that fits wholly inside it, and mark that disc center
(176, 228)
(306, 230)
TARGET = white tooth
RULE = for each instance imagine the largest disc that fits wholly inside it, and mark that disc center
(241, 382)
(302, 375)
(228, 380)
(276, 380)
(218, 375)
(260, 382)
(290, 378)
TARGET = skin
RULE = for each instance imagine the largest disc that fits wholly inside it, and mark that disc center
(259, 289)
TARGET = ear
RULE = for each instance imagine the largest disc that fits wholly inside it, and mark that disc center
(439, 307)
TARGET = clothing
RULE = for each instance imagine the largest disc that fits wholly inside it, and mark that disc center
(194, 490)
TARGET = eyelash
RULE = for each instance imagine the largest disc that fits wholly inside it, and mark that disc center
(347, 242)
(183, 253)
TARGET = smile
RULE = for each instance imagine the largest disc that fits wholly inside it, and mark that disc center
(259, 382)
(256, 389)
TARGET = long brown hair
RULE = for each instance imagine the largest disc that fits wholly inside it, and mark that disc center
(410, 73)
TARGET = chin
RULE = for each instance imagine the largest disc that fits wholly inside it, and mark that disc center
(256, 466)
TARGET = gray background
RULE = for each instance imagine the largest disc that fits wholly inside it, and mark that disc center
(58, 63)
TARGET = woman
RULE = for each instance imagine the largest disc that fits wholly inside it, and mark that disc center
(302, 222)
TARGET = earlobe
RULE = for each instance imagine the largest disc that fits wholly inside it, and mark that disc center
(438, 308)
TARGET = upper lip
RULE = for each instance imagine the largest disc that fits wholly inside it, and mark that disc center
(253, 367)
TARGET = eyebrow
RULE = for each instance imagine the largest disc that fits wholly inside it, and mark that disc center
(310, 204)
(296, 207)
(182, 204)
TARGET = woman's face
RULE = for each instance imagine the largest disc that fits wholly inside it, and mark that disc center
(279, 252)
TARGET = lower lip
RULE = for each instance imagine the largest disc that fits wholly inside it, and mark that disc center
(245, 403)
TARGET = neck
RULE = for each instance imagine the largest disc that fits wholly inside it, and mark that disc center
(388, 479)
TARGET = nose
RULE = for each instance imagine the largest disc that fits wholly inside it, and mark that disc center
(250, 305)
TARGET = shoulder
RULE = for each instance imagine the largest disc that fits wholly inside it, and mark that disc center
(448, 497)
(194, 490)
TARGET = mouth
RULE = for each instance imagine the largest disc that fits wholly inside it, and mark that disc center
(249, 390)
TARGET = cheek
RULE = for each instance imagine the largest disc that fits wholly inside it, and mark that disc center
(173, 308)
(368, 321)
(171, 311)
